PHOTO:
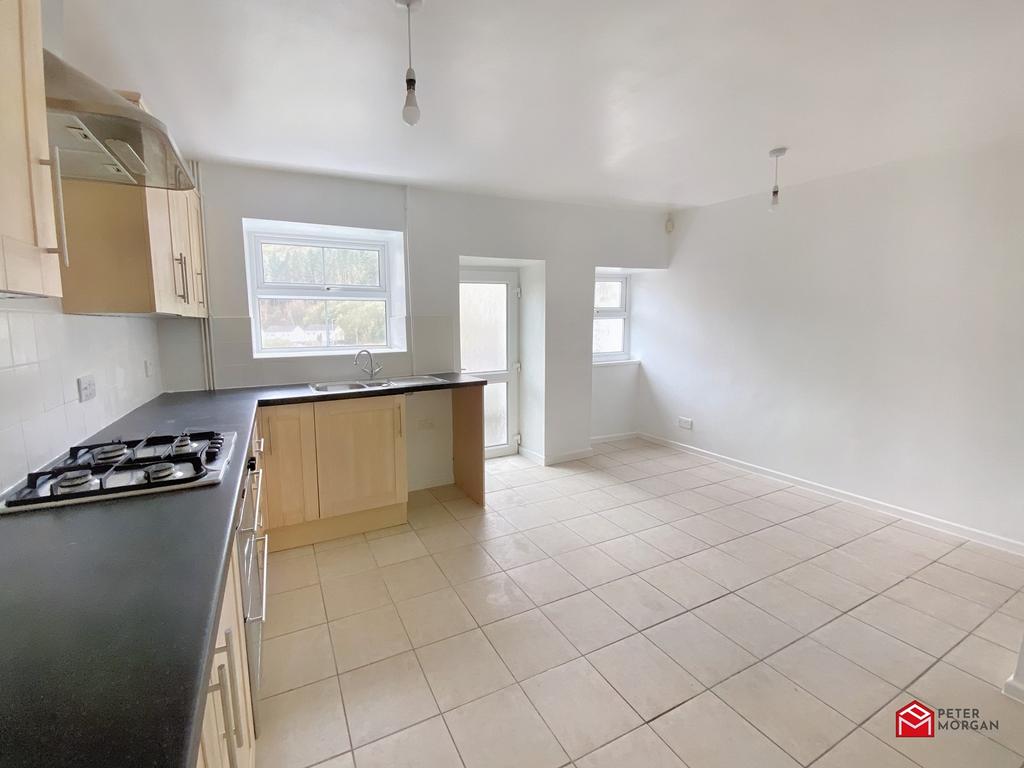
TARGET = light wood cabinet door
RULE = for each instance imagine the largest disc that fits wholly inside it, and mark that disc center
(289, 459)
(360, 453)
(27, 225)
(182, 244)
(198, 253)
(168, 278)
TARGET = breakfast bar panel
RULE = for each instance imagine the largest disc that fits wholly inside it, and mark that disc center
(468, 441)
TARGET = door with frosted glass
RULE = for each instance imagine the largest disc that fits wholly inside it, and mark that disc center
(488, 322)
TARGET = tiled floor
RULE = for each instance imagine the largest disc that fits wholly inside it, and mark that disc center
(643, 608)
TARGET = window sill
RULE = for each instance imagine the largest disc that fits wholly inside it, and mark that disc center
(604, 363)
(347, 352)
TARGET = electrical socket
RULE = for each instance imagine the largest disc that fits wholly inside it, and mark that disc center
(684, 423)
(86, 387)
(148, 368)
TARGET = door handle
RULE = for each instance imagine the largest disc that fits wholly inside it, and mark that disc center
(58, 206)
(265, 538)
(221, 687)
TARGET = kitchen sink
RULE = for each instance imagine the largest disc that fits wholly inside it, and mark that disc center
(414, 380)
(338, 386)
(356, 386)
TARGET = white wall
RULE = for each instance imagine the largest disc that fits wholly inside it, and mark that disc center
(869, 335)
(440, 227)
(532, 355)
(42, 353)
(614, 399)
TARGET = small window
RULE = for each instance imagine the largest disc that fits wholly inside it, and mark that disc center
(317, 289)
(611, 318)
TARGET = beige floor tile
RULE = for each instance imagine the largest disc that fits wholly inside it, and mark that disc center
(747, 625)
(342, 541)
(466, 563)
(683, 584)
(633, 553)
(556, 538)
(545, 581)
(946, 750)
(846, 687)
(292, 571)
(638, 602)
(812, 528)
(503, 730)
(434, 616)
(341, 761)
(422, 498)
(758, 554)
(693, 501)
(796, 544)
(791, 498)
(725, 569)
(386, 697)
(983, 659)
(391, 530)
(861, 749)
(872, 578)
(644, 675)
(591, 566)
(302, 727)
(344, 561)
(664, 509)
(463, 508)
(489, 525)
(706, 733)
(513, 551)
(395, 549)
(296, 609)
(940, 604)
(296, 659)
(672, 541)
(347, 595)
(826, 586)
(755, 485)
(462, 668)
(1014, 606)
(723, 493)
(637, 749)
(412, 578)
(367, 637)
(587, 622)
(529, 643)
(736, 518)
(944, 683)
(597, 500)
(631, 519)
(594, 529)
(884, 655)
(426, 745)
(964, 585)
(700, 649)
(788, 715)
(911, 626)
(773, 513)
(987, 567)
(493, 597)
(579, 706)
(447, 493)
(1002, 629)
(429, 515)
(787, 603)
(440, 538)
(527, 516)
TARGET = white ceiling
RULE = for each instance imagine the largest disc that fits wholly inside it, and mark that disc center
(667, 102)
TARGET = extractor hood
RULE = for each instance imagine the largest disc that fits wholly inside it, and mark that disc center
(103, 136)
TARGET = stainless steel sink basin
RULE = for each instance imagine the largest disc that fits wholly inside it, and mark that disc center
(337, 386)
(354, 386)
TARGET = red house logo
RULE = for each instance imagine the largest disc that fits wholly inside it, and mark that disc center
(915, 720)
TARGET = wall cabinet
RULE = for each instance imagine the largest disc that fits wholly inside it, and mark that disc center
(228, 735)
(28, 233)
(290, 493)
(133, 250)
(360, 454)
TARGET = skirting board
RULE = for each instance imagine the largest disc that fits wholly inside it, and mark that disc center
(946, 526)
(546, 460)
(612, 438)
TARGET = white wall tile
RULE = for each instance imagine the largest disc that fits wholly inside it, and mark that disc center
(6, 358)
(23, 337)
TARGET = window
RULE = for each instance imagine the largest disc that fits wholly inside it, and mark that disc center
(323, 290)
(611, 318)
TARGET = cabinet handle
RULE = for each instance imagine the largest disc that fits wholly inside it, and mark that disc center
(184, 279)
(265, 538)
(58, 206)
(222, 687)
(233, 678)
(180, 261)
(259, 446)
(257, 518)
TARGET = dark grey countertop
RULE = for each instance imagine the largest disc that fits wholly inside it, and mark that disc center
(108, 610)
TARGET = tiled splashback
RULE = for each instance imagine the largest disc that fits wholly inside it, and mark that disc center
(42, 354)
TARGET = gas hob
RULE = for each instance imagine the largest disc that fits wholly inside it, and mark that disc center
(152, 464)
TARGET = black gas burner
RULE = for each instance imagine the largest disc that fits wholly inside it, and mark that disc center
(126, 467)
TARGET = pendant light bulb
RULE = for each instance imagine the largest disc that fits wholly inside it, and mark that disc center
(775, 154)
(411, 110)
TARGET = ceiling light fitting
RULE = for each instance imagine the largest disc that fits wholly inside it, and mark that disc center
(411, 110)
(775, 154)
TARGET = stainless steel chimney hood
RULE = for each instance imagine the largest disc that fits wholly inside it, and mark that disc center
(105, 137)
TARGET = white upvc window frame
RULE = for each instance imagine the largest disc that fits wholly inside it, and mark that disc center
(309, 235)
(620, 312)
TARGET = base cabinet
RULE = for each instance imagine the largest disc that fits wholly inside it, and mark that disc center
(290, 491)
(228, 734)
(360, 454)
